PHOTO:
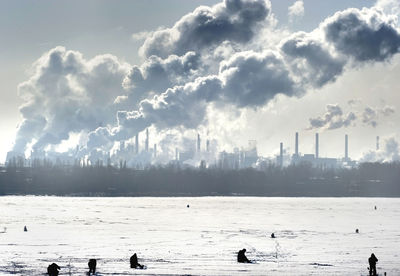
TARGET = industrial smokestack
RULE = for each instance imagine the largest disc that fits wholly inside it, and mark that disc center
(281, 155)
(198, 142)
(377, 142)
(316, 145)
(146, 145)
(176, 154)
(137, 143)
(346, 147)
(296, 145)
(208, 145)
(155, 150)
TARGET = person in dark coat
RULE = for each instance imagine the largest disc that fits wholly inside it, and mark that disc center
(372, 264)
(134, 262)
(92, 266)
(241, 257)
(53, 269)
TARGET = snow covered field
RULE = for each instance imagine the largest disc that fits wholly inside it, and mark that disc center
(314, 236)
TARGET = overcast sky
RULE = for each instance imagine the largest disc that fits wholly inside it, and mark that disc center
(98, 72)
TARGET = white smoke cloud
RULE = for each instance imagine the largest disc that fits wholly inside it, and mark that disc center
(364, 35)
(68, 94)
(232, 20)
(371, 116)
(156, 75)
(296, 10)
(390, 152)
(333, 118)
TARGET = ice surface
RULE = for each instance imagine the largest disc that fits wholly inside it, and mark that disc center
(314, 236)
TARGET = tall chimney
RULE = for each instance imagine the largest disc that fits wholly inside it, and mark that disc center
(146, 145)
(377, 142)
(208, 145)
(155, 150)
(316, 145)
(176, 154)
(137, 143)
(198, 142)
(281, 155)
(346, 147)
(296, 145)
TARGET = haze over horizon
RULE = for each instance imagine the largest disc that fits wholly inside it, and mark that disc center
(95, 74)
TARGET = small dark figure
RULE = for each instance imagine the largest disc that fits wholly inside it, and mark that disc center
(134, 262)
(92, 266)
(372, 264)
(241, 257)
(357, 231)
(273, 235)
(375, 207)
(187, 206)
(25, 229)
(53, 269)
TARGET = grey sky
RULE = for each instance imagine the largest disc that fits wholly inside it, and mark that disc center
(30, 28)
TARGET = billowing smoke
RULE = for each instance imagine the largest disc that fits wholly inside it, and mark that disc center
(365, 35)
(371, 116)
(390, 152)
(231, 20)
(333, 118)
(110, 101)
(68, 94)
(155, 75)
(296, 10)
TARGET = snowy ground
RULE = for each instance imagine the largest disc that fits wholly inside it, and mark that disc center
(314, 236)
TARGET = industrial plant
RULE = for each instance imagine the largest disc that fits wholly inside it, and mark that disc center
(198, 154)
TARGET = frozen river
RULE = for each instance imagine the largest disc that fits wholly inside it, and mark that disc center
(314, 236)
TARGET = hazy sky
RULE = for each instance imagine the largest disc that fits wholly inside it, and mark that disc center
(233, 71)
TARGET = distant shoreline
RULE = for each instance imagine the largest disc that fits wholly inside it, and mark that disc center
(189, 196)
(367, 180)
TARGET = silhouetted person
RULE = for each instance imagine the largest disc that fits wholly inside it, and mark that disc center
(375, 207)
(92, 266)
(273, 235)
(187, 206)
(372, 264)
(25, 229)
(241, 257)
(357, 231)
(53, 269)
(134, 262)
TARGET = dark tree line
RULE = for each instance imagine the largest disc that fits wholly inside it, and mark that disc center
(368, 179)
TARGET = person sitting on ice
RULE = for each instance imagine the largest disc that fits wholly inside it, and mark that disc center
(372, 264)
(52, 269)
(273, 236)
(92, 266)
(241, 257)
(25, 229)
(134, 262)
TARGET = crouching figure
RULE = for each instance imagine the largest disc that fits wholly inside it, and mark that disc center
(241, 257)
(53, 269)
(134, 262)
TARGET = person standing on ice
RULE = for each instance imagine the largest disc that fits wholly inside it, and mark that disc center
(241, 257)
(92, 266)
(372, 264)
